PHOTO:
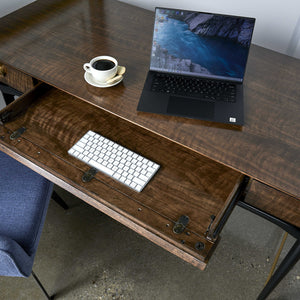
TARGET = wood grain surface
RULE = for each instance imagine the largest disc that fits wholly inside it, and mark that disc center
(16, 79)
(51, 40)
(187, 183)
(274, 202)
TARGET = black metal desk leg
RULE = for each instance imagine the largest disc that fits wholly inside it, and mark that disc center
(8, 98)
(9, 93)
(289, 261)
(59, 200)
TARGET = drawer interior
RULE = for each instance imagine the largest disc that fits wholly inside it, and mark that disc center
(187, 183)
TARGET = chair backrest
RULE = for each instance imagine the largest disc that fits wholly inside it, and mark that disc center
(24, 199)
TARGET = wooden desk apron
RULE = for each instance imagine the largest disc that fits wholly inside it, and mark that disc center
(39, 128)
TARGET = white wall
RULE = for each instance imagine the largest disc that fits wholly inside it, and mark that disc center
(7, 6)
(277, 24)
(277, 21)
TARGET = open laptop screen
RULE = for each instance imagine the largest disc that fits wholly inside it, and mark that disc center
(201, 44)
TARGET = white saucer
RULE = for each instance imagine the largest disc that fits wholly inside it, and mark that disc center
(90, 80)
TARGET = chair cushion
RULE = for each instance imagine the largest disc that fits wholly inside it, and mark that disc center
(24, 200)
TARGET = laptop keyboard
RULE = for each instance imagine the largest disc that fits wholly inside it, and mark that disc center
(194, 87)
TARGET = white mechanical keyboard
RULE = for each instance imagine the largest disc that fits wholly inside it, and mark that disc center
(125, 166)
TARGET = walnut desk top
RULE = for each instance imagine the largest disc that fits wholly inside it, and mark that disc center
(49, 41)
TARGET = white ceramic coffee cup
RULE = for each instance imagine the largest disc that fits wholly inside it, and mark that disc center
(101, 76)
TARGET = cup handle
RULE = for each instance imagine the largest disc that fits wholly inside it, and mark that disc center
(87, 67)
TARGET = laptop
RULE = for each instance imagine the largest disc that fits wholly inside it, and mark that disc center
(197, 65)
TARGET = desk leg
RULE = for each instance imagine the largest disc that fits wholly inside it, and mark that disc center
(286, 265)
(8, 98)
(8, 93)
(59, 200)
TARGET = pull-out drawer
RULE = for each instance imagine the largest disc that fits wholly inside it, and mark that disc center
(16, 79)
(39, 128)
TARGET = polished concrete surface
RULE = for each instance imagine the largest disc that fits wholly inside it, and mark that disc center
(84, 254)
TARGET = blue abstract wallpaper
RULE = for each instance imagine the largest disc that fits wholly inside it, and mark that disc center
(201, 43)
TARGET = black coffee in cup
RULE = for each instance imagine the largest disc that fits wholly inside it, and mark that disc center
(103, 64)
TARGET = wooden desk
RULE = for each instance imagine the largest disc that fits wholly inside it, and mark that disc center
(51, 40)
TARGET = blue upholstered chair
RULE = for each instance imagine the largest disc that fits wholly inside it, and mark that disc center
(24, 199)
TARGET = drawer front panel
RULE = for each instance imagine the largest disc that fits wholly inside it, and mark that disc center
(274, 202)
(16, 79)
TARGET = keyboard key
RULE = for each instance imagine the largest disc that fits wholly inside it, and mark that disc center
(123, 165)
(212, 90)
(138, 181)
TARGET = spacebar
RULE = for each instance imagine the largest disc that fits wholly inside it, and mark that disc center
(101, 168)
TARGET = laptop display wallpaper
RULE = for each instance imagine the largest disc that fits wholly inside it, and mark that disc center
(204, 44)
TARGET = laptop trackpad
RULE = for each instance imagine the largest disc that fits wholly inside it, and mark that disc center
(190, 107)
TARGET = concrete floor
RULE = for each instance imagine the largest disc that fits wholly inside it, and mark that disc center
(2, 103)
(84, 254)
